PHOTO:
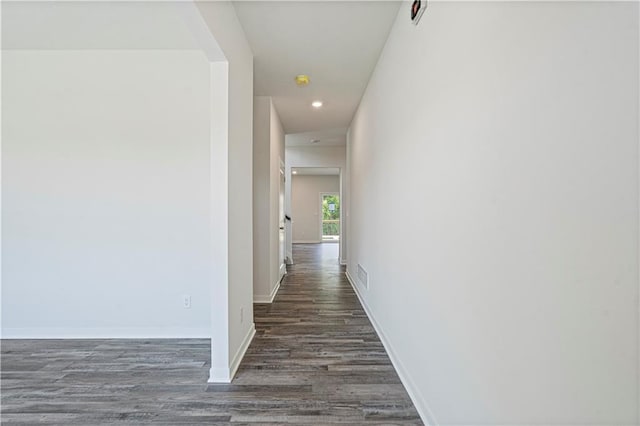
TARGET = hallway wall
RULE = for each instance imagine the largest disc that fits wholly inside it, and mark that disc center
(305, 205)
(268, 152)
(503, 274)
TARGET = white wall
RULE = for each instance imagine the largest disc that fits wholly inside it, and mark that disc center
(268, 152)
(503, 138)
(277, 217)
(305, 205)
(318, 156)
(105, 193)
(220, 16)
(261, 196)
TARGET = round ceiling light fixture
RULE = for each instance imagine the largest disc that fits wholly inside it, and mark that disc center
(316, 104)
(295, 172)
(302, 80)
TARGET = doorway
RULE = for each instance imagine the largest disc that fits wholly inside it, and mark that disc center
(330, 217)
(281, 223)
(315, 206)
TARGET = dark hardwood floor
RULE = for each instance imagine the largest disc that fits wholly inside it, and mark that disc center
(315, 359)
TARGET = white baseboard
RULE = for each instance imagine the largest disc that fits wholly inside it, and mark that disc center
(343, 262)
(261, 298)
(106, 333)
(307, 242)
(225, 375)
(219, 375)
(414, 393)
(237, 359)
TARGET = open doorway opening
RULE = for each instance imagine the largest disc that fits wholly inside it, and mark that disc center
(315, 205)
(281, 222)
(330, 214)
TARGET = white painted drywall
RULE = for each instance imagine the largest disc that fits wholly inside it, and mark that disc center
(313, 156)
(277, 217)
(501, 138)
(268, 150)
(223, 23)
(105, 193)
(305, 205)
(261, 194)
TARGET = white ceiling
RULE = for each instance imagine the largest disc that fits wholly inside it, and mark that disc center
(58, 25)
(331, 137)
(316, 171)
(337, 43)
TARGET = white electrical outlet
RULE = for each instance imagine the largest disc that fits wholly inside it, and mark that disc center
(241, 314)
(186, 301)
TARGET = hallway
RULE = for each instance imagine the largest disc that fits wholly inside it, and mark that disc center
(478, 162)
(315, 359)
(316, 354)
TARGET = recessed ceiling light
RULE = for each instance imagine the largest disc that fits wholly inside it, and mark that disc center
(316, 104)
(302, 80)
(295, 172)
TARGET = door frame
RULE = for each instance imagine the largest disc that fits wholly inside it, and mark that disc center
(322, 194)
(282, 223)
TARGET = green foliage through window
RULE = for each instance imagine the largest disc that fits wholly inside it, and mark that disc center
(330, 215)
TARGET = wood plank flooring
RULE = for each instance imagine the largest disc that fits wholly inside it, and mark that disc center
(315, 360)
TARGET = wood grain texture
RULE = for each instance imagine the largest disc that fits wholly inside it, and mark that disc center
(315, 360)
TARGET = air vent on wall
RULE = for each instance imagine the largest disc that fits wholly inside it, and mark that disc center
(363, 277)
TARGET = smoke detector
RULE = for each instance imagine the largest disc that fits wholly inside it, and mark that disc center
(302, 80)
